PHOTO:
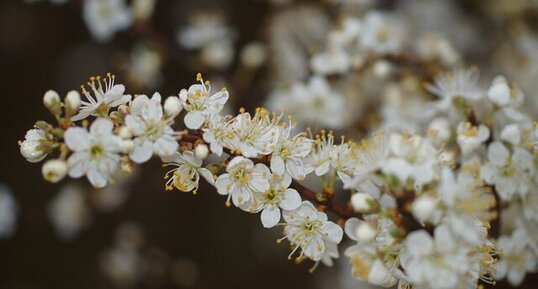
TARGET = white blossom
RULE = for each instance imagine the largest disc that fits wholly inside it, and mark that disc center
(200, 104)
(255, 135)
(242, 180)
(517, 259)
(219, 134)
(434, 262)
(309, 230)
(106, 17)
(106, 94)
(153, 134)
(186, 176)
(278, 196)
(457, 84)
(290, 153)
(470, 137)
(510, 172)
(413, 157)
(95, 153)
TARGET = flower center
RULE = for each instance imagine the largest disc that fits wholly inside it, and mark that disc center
(241, 176)
(153, 131)
(507, 170)
(96, 151)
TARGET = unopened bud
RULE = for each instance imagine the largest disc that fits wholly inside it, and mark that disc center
(365, 232)
(127, 146)
(423, 208)
(125, 132)
(172, 106)
(51, 100)
(31, 152)
(54, 170)
(72, 102)
(201, 151)
(363, 203)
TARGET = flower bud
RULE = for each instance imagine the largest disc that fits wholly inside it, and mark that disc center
(51, 100)
(499, 92)
(424, 208)
(72, 102)
(365, 232)
(54, 170)
(362, 202)
(511, 133)
(172, 106)
(382, 68)
(31, 152)
(201, 151)
(439, 130)
(126, 146)
(125, 132)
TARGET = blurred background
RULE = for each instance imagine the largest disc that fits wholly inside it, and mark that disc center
(188, 241)
(135, 234)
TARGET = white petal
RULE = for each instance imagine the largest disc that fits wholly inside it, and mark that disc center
(97, 178)
(498, 153)
(78, 164)
(194, 120)
(333, 231)
(152, 111)
(101, 126)
(277, 165)
(142, 151)
(270, 216)
(222, 184)
(291, 199)
(135, 123)
(207, 175)
(77, 139)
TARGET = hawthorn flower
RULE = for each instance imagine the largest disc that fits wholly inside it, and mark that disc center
(413, 157)
(457, 84)
(153, 133)
(320, 157)
(255, 135)
(510, 173)
(373, 238)
(186, 175)
(517, 259)
(95, 153)
(242, 180)
(470, 137)
(289, 154)
(106, 17)
(434, 262)
(309, 230)
(31, 148)
(199, 104)
(279, 195)
(107, 94)
(219, 134)
(381, 33)
(467, 206)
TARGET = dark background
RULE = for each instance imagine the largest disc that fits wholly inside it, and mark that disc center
(43, 47)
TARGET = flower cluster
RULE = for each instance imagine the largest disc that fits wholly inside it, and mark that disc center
(422, 207)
